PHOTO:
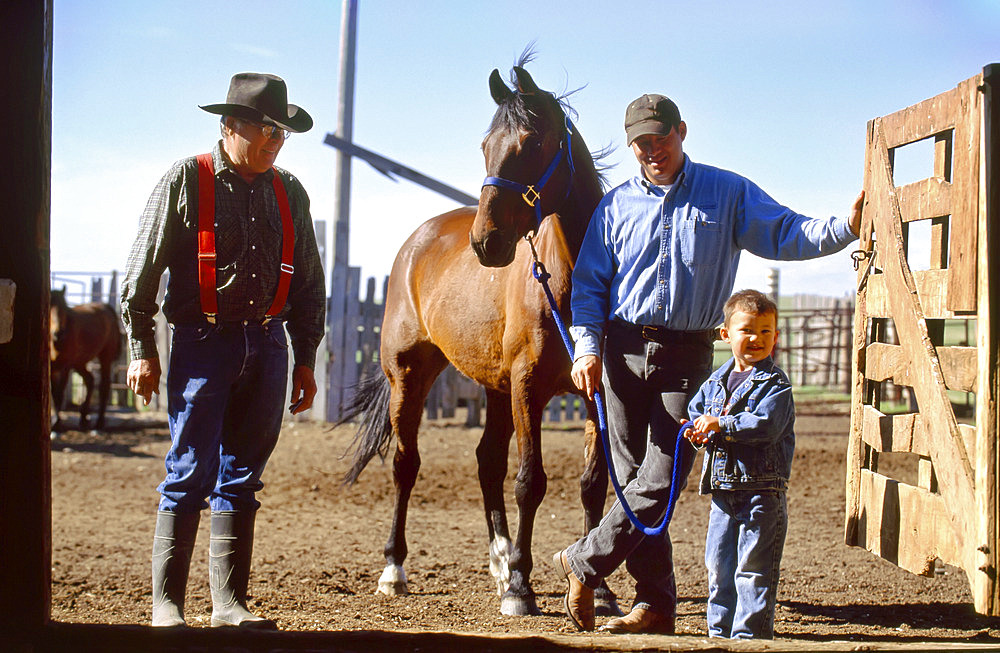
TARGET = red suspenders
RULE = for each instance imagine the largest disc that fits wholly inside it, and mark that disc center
(206, 242)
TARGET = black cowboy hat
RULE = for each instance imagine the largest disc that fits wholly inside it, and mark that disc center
(262, 98)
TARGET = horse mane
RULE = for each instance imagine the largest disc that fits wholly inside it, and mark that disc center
(514, 114)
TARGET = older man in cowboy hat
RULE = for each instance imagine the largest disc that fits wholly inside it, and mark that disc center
(235, 233)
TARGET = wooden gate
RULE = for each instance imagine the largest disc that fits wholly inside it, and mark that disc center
(922, 479)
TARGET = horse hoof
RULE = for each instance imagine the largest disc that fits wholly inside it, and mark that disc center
(519, 606)
(500, 549)
(392, 582)
(607, 606)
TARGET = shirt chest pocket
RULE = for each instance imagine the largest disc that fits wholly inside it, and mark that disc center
(230, 239)
(701, 236)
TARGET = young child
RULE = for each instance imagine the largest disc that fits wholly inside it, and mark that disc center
(744, 413)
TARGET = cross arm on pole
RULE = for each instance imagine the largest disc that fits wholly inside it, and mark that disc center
(391, 169)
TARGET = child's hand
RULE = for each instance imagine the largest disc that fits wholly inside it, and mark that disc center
(703, 430)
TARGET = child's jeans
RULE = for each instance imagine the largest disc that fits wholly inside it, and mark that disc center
(746, 535)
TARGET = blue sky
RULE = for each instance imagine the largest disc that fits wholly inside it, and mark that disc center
(779, 91)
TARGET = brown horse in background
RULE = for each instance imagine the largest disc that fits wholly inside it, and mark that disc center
(78, 335)
(495, 326)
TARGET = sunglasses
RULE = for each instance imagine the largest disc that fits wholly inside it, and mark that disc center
(269, 131)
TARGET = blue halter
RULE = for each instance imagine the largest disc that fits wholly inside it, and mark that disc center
(532, 193)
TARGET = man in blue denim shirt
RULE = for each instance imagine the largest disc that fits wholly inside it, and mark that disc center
(656, 266)
(745, 414)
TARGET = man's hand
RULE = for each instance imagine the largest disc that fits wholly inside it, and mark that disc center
(856, 214)
(586, 374)
(303, 389)
(143, 377)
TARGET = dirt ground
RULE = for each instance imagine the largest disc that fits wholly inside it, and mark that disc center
(319, 545)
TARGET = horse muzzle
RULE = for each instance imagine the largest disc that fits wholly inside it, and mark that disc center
(495, 249)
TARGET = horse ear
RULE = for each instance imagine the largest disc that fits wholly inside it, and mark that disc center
(525, 84)
(498, 89)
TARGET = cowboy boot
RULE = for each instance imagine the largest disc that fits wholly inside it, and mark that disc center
(173, 542)
(579, 599)
(641, 620)
(229, 554)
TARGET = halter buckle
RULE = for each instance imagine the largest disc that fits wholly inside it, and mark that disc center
(535, 196)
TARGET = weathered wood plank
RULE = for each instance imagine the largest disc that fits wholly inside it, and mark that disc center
(907, 526)
(927, 198)
(352, 342)
(905, 433)
(951, 462)
(853, 532)
(985, 589)
(890, 362)
(919, 121)
(965, 198)
(931, 286)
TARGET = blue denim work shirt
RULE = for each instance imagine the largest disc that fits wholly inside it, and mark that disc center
(754, 448)
(662, 257)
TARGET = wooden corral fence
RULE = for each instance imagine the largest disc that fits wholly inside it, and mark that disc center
(814, 349)
(922, 483)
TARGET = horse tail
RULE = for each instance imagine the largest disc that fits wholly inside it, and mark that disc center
(370, 406)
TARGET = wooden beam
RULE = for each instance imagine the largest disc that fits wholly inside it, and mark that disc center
(890, 363)
(853, 531)
(985, 588)
(965, 219)
(930, 286)
(25, 450)
(908, 526)
(919, 121)
(391, 169)
(905, 433)
(927, 198)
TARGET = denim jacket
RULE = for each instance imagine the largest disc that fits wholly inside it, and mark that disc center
(753, 450)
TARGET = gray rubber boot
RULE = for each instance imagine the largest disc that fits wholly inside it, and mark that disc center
(173, 542)
(229, 554)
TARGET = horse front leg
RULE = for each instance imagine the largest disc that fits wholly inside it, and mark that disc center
(491, 455)
(88, 383)
(59, 378)
(593, 492)
(529, 489)
(103, 392)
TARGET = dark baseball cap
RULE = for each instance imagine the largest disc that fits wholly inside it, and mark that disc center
(650, 114)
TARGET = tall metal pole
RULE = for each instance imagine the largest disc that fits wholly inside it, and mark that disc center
(342, 212)
(345, 129)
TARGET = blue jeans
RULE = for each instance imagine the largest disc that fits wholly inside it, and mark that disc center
(746, 536)
(647, 386)
(225, 393)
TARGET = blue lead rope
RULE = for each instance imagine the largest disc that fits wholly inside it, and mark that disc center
(538, 271)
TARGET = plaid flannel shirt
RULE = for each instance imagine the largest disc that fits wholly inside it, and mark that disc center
(248, 247)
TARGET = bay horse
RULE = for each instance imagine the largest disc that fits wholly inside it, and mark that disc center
(495, 326)
(78, 335)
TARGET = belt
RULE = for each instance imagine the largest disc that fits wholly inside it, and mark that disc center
(665, 336)
(229, 324)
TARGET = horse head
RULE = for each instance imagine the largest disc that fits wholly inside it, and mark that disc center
(529, 167)
(58, 318)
